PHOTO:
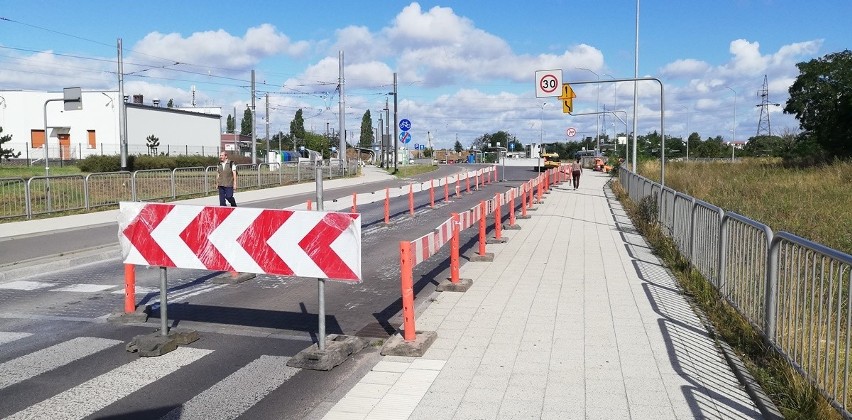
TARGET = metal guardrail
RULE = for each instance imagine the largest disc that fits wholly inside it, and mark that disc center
(796, 292)
(25, 198)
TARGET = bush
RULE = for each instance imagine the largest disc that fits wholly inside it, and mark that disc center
(141, 162)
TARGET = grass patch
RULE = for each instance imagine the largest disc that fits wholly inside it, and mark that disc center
(27, 172)
(794, 396)
(809, 202)
(411, 170)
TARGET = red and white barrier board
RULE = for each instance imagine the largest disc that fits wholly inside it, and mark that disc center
(247, 240)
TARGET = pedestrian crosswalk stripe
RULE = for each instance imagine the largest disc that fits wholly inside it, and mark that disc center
(85, 288)
(232, 396)
(25, 285)
(97, 393)
(6, 337)
(45, 360)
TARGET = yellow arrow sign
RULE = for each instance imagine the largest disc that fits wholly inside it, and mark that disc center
(567, 98)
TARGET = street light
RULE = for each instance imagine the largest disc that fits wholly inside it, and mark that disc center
(734, 131)
(541, 132)
(597, 108)
(687, 132)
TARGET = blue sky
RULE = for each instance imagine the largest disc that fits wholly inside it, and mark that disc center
(465, 68)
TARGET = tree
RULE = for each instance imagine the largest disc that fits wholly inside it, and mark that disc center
(366, 140)
(297, 126)
(171, 103)
(229, 124)
(152, 142)
(245, 124)
(7, 153)
(458, 147)
(821, 99)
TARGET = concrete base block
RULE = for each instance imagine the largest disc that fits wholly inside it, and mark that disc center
(546, 192)
(232, 278)
(533, 208)
(448, 286)
(156, 344)
(488, 257)
(397, 346)
(524, 217)
(140, 316)
(515, 226)
(502, 240)
(337, 349)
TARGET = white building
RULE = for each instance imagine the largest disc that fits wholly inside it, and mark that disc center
(94, 130)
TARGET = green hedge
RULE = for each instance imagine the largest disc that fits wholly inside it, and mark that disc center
(140, 162)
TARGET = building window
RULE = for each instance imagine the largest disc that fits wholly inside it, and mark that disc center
(92, 142)
(37, 138)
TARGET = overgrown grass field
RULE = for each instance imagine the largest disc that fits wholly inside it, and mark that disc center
(814, 203)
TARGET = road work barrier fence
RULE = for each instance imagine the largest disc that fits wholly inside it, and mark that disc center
(795, 292)
(52, 194)
(412, 253)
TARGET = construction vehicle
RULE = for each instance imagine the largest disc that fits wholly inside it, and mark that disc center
(548, 160)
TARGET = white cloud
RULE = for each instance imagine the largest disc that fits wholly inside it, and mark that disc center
(685, 68)
(217, 48)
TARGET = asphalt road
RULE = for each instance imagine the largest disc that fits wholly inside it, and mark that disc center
(243, 326)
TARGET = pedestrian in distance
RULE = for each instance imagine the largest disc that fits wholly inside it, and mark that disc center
(226, 178)
(576, 170)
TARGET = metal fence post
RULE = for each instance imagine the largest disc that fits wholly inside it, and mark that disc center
(771, 287)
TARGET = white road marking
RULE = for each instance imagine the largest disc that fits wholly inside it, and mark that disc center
(45, 360)
(85, 288)
(232, 396)
(6, 337)
(91, 396)
(25, 285)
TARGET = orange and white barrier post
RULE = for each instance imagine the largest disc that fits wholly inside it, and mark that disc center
(538, 198)
(309, 205)
(498, 222)
(454, 249)
(524, 202)
(354, 203)
(432, 193)
(129, 288)
(482, 228)
(406, 268)
(467, 182)
(512, 208)
(411, 200)
(387, 206)
(446, 190)
(458, 188)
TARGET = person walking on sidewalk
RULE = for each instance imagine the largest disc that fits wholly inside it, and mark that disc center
(576, 170)
(226, 177)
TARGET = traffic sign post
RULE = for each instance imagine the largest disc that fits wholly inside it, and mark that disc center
(404, 124)
(567, 98)
(404, 137)
(547, 83)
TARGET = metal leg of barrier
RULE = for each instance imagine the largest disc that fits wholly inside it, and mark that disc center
(164, 312)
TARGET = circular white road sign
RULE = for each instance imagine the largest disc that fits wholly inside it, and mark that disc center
(571, 131)
(548, 83)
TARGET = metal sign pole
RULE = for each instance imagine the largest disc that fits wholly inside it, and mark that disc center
(320, 282)
(164, 313)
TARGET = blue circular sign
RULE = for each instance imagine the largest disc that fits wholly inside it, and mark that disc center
(405, 137)
(404, 124)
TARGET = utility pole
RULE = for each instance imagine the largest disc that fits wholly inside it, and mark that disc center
(122, 111)
(253, 123)
(395, 127)
(341, 151)
(267, 126)
(382, 140)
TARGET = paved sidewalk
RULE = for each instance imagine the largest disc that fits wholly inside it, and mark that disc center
(574, 319)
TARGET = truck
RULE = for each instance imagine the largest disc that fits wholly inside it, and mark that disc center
(548, 161)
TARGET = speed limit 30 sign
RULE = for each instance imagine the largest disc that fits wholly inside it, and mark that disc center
(548, 83)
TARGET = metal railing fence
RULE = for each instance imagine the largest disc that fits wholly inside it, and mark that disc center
(25, 198)
(795, 292)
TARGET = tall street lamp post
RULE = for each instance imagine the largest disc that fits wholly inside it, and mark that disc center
(734, 130)
(687, 133)
(597, 108)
